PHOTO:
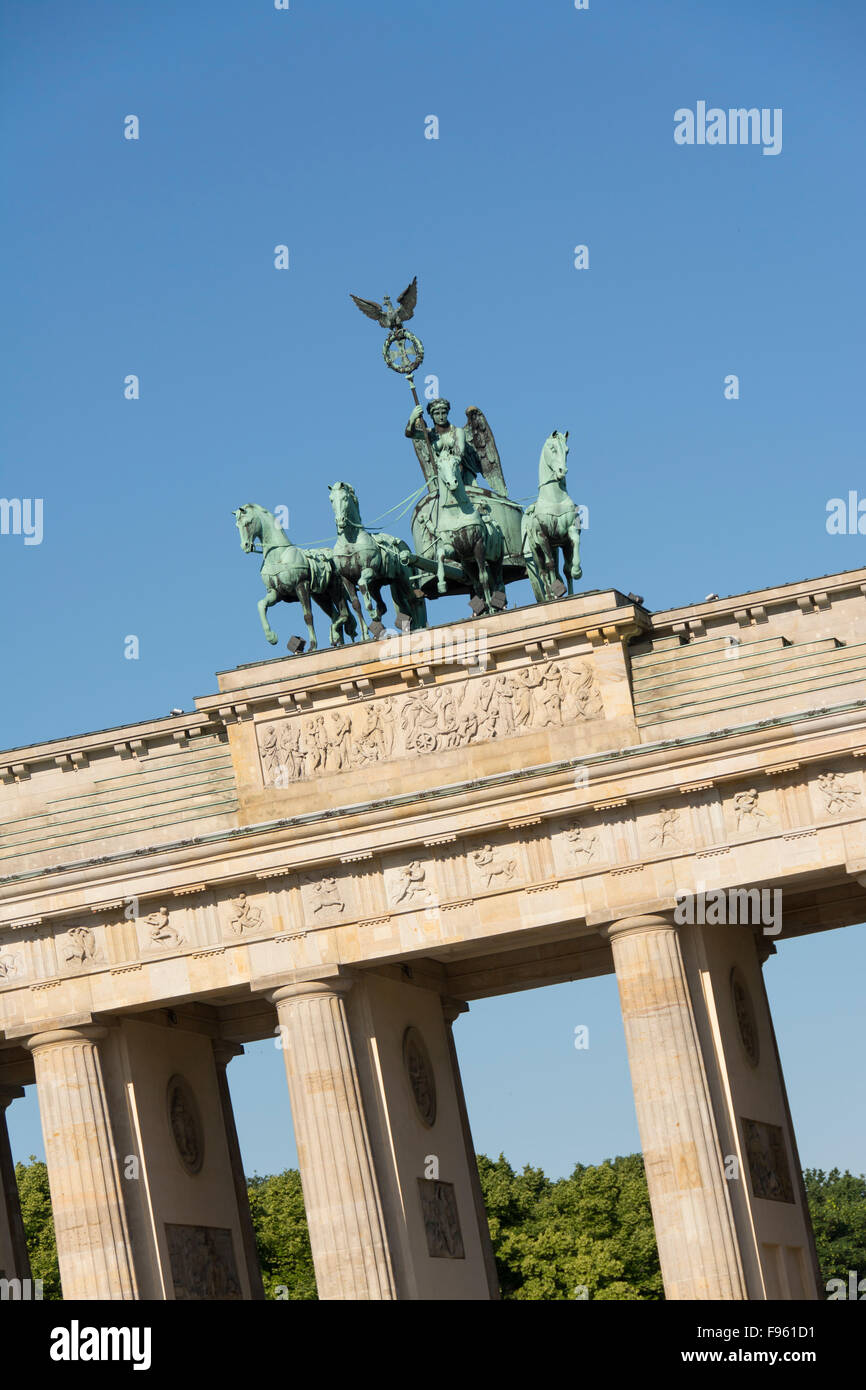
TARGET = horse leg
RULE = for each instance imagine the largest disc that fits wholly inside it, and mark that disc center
(440, 568)
(480, 555)
(498, 559)
(381, 605)
(376, 605)
(529, 550)
(302, 590)
(534, 571)
(263, 605)
(565, 548)
(352, 594)
(574, 562)
(549, 568)
(337, 617)
(366, 579)
(336, 613)
(403, 598)
(415, 601)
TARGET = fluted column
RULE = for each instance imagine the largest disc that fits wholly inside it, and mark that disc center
(14, 1260)
(452, 1009)
(692, 1213)
(93, 1244)
(223, 1054)
(341, 1193)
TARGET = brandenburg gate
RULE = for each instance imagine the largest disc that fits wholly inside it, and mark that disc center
(342, 849)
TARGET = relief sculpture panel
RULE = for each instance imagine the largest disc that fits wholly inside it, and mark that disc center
(838, 793)
(79, 948)
(203, 1265)
(434, 719)
(767, 1159)
(161, 931)
(492, 867)
(441, 1220)
(323, 900)
(11, 964)
(580, 844)
(410, 885)
(750, 812)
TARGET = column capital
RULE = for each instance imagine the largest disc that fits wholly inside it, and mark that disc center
(8, 1094)
(636, 926)
(321, 987)
(84, 1033)
(764, 949)
(453, 1008)
(225, 1051)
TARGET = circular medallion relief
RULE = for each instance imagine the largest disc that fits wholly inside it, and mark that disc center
(184, 1121)
(419, 1070)
(745, 1016)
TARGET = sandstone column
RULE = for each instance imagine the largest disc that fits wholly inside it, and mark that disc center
(223, 1054)
(452, 1009)
(14, 1260)
(341, 1192)
(691, 1207)
(93, 1244)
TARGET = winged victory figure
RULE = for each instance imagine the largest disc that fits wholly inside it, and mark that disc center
(473, 444)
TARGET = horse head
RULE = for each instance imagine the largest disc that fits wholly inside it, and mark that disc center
(344, 503)
(449, 471)
(552, 465)
(249, 523)
(256, 523)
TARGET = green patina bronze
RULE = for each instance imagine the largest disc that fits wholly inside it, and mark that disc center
(367, 561)
(469, 536)
(552, 524)
(465, 531)
(293, 575)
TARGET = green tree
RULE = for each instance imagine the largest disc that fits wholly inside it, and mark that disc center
(592, 1231)
(35, 1198)
(837, 1202)
(282, 1238)
(551, 1239)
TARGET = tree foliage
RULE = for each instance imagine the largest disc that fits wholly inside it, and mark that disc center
(837, 1202)
(588, 1235)
(35, 1199)
(282, 1238)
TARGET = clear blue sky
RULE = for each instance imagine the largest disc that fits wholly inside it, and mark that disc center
(306, 127)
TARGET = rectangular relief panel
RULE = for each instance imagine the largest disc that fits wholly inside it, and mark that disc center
(203, 1264)
(767, 1158)
(441, 1219)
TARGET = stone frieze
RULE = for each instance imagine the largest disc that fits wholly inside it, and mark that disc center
(550, 694)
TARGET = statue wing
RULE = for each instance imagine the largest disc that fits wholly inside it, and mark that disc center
(481, 437)
(407, 301)
(371, 309)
